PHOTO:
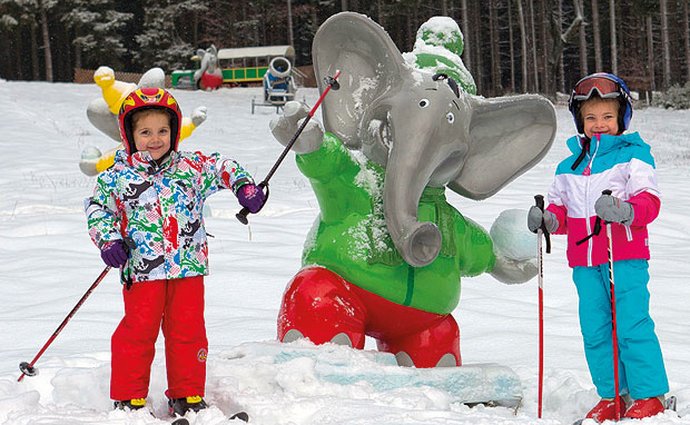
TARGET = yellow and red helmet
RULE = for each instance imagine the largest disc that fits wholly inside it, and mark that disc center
(148, 98)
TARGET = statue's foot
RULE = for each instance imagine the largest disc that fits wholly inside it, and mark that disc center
(339, 339)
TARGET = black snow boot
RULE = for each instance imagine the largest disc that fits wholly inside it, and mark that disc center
(180, 406)
(133, 404)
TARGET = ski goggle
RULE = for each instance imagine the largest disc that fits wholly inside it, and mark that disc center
(606, 88)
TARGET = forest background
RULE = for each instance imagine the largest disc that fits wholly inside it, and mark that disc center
(511, 46)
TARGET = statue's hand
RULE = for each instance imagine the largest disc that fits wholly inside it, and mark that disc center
(507, 270)
(199, 115)
(104, 76)
(285, 126)
(514, 247)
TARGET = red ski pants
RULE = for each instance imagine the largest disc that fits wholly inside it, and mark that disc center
(176, 306)
(321, 304)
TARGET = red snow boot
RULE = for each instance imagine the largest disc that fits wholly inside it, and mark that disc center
(644, 408)
(605, 410)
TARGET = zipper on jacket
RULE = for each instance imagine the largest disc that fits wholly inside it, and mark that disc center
(590, 242)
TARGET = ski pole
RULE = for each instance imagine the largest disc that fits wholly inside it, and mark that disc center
(28, 368)
(539, 200)
(614, 330)
(331, 83)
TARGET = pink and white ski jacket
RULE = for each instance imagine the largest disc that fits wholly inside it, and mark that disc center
(622, 164)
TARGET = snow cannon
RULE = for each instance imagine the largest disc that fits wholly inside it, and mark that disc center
(279, 86)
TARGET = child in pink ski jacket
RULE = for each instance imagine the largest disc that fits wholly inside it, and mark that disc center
(603, 158)
(146, 218)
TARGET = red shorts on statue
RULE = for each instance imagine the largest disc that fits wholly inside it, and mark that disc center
(176, 306)
(320, 305)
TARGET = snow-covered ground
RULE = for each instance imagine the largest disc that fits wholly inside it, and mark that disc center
(47, 262)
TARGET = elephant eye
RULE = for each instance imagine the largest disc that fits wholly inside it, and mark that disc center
(424, 103)
(450, 117)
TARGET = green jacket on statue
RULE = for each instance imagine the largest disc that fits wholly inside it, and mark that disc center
(350, 238)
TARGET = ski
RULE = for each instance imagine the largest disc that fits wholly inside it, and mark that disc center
(243, 416)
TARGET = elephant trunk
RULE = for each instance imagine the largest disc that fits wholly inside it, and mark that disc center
(418, 243)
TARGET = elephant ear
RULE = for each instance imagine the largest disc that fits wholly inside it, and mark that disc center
(370, 66)
(507, 136)
(154, 77)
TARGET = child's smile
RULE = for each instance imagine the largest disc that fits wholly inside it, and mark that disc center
(152, 134)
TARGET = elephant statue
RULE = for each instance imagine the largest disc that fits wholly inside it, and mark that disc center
(103, 111)
(386, 254)
(209, 76)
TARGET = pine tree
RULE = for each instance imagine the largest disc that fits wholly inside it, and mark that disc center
(98, 29)
(164, 38)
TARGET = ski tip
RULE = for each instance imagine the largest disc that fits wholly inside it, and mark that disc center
(578, 422)
(243, 416)
(671, 403)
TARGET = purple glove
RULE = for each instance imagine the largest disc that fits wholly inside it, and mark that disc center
(114, 253)
(251, 197)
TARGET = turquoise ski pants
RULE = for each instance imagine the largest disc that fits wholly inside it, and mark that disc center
(641, 366)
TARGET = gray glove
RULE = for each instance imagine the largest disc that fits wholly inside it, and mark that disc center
(613, 210)
(285, 127)
(535, 217)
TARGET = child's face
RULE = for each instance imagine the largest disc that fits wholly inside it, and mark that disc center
(600, 116)
(152, 133)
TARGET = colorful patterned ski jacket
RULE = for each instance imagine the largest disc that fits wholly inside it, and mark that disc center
(160, 209)
(622, 164)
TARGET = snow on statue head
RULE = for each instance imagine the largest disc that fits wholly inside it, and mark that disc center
(387, 251)
(102, 113)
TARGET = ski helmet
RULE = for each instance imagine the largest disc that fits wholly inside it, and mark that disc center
(604, 86)
(148, 98)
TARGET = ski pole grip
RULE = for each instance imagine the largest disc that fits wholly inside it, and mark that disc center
(539, 200)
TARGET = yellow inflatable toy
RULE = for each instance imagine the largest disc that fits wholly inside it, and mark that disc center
(102, 113)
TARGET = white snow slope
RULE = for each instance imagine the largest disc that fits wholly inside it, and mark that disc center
(47, 262)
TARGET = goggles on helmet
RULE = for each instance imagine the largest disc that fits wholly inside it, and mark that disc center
(605, 87)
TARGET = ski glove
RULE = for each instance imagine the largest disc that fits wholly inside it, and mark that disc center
(613, 210)
(251, 197)
(114, 253)
(535, 217)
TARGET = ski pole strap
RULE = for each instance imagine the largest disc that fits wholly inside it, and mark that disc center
(597, 224)
(539, 200)
(595, 232)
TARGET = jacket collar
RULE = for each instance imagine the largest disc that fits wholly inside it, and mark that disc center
(604, 143)
(144, 163)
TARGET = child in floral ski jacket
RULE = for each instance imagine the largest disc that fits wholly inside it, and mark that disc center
(146, 218)
(607, 159)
